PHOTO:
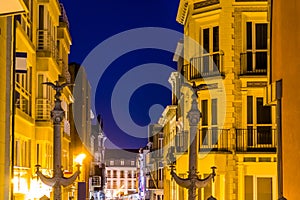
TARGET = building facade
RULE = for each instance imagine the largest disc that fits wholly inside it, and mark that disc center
(97, 180)
(7, 44)
(121, 173)
(226, 54)
(282, 90)
(33, 51)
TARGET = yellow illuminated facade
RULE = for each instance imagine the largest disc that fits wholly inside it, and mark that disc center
(6, 34)
(237, 131)
(42, 46)
(285, 43)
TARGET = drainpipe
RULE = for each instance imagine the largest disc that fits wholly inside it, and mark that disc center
(279, 139)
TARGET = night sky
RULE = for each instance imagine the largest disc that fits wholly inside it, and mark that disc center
(92, 22)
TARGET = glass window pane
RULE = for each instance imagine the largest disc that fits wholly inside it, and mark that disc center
(264, 135)
(248, 187)
(205, 69)
(204, 136)
(250, 109)
(214, 111)
(206, 40)
(261, 31)
(249, 35)
(204, 110)
(216, 39)
(249, 62)
(263, 113)
(261, 60)
(264, 188)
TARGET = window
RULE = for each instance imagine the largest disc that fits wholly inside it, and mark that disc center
(257, 48)
(122, 174)
(160, 146)
(160, 174)
(44, 98)
(132, 162)
(204, 110)
(209, 134)
(114, 186)
(262, 191)
(259, 127)
(23, 91)
(96, 181)
(22, 153)
(209, 61)
(108, 185)
(25, 20)
(122, 162)
(111, 162)
(115, 174)
(263, 113)
(214, 112)
(108, 173)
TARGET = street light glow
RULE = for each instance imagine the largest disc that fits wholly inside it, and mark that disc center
(79, 159)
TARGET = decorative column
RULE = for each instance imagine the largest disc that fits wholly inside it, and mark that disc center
(193, 182)
(57, 115)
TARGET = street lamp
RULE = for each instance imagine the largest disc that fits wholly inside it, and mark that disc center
(57, 115)
(193, 181)
(79, 159)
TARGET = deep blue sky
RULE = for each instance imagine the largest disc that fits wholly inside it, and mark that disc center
(94, 21)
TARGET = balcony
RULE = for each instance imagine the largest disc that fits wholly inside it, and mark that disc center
(254, 63)
(63, 18)
(206, 66)
(43, 109)
(261, 139)
(213, 139)
(46, 45)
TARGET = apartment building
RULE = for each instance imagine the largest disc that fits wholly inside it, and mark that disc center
(283, 92)
(121, 172)
(36, 44)
(7, 13)
(97, 180)
(225, 52)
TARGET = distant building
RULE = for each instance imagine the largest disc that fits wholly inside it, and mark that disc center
(97, 180)
(154, 163)
(121, 172)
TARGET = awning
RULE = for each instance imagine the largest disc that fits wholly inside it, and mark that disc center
(21, 62)
(10, 7)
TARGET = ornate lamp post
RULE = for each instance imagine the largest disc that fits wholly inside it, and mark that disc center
(193, 182)
(58, 178)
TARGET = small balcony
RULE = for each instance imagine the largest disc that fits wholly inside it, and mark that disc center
(213, 139)
(206, 66)
(63, 18)
(261, 139)
(43, 109)
(46, 45)
(254, 63)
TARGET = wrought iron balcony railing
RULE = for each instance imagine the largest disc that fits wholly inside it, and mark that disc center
(254, 63)
(63, 17)
(214, 139)
(206, 66)
(46, 43)
(261, 139)
(43, 109)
